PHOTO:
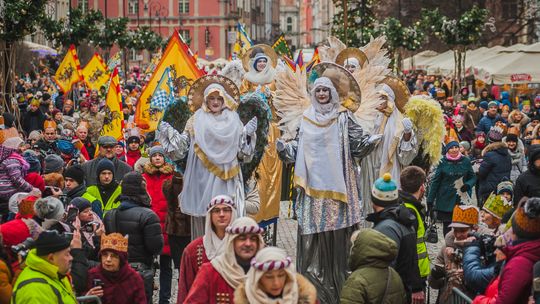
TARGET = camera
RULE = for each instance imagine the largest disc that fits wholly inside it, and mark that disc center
(89, 227)
(487, 244)
(98, 282)
(23, 248)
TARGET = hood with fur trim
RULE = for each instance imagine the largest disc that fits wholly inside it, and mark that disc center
(152, 170)
(500, 147)
(307, 294)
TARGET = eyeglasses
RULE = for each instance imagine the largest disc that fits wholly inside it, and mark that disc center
(219, 210)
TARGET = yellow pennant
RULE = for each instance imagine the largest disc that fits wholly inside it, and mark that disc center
(96, 73)
(114, 117)
(69, 72)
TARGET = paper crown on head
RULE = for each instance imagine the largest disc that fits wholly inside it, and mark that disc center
(464, 216)
(497, 206)
(114, 241)
(49, 124)
(513, 130)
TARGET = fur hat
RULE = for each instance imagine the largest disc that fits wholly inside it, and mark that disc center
(385, 191)
(49, 208)
(54, 180)
(526, 219)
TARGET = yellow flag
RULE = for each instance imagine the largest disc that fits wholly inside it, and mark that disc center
(95, 73)
(243, 42)
(114, 117)
(69, 72)
(183, 68)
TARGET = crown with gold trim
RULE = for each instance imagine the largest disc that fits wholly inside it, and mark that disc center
(497, 206)
(114, 241)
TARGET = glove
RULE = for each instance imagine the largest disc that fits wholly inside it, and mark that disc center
(407, 125)
(464, 188)
(251, 126)
(280, 145)
(374, 138)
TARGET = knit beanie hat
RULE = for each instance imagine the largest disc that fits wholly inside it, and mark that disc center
(495, 134)
(505, 186)
(32, 159)
(484, 105)
(13, 142)
(75, 172)
(50, 241)
(49, 208)
(81, 203)
(451, 145)
(493, 103)
(465, 145)
(526, 219)
(385, 191)
(133, 139)
(53, 163)
(105, 164)
(132, 184)
(156, 149)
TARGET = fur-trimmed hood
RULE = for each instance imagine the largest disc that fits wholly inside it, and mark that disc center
(523, 122)
(152, 170)
(307, 294)
(495, 146)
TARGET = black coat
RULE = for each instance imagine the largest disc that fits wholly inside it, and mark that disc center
(141, 224)
(33, 121)
(495, 167)
(528, 182)
(397, 224)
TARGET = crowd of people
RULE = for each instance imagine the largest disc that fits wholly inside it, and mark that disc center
(87, 214)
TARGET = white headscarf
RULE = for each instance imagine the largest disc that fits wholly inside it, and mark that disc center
(352, 61)
(322, 113)
(226, 264)
(267, 259)
(218, 135)
(228, 101)
(213, 245)
(263, 77)
(392, 133)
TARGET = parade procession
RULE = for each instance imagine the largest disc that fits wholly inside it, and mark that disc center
(269, 152)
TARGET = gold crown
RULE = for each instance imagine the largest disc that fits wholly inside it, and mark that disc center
(467, 215)
(497, 206)
(49, 124)
(114, 241)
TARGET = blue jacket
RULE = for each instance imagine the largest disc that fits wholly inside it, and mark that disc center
(496, 166)
(486, 123)
(505, 99)
(476, 275)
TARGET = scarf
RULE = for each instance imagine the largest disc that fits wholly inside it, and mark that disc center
(479, 145)
(319, 165)
(213, 245)
(450, 158)
(263, 77)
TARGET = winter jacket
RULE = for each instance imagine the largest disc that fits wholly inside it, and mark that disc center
(176, 222)
(33, 121)
(141, 224)
(476, 275)
(122, 287)
(6, 286)
(372, 279)
(13, 168)
(495, 167)
(519, 162)
(471, 119)
(90, 170)
(154, 184)
(505, 99)
(442, 193)
(131, 157)
(307, 294)
(486, 123)
(517, 274)
(106, 195)
(49, 289)
(464, 135)
(397, 224)
(490, 296)
(528, 183)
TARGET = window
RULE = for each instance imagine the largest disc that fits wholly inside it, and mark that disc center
(289, 24)
(83, 4)
(510, 9)
(185, 35)
(133, 55)
(183, 6)
(133, 7)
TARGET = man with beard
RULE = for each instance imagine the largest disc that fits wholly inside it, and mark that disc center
(216, 281)
(489, 119)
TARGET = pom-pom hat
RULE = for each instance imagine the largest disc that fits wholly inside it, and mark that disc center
(385, 191)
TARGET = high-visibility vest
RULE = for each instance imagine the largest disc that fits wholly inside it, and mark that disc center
(112, 203)
(421, 248)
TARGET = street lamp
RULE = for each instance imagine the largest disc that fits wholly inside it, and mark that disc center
(159, 11)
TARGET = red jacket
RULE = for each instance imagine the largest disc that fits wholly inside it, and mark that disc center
(192, 259)
(210, 288)
(154, 184)
(131, 157)
(490, 295)
(516, 276)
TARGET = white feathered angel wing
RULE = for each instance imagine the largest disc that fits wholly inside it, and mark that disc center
(329, 52)
(291, 100)
(369, 77)
(234, 71)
